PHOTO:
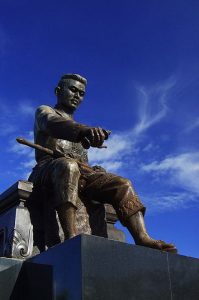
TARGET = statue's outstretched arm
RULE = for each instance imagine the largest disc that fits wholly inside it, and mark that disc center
(57, 126)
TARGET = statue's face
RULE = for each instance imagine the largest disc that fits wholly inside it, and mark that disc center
(71, 94)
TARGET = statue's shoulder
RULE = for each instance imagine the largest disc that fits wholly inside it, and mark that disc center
(45, 109)
(48, 111)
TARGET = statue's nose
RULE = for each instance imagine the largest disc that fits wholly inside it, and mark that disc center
(77, 95)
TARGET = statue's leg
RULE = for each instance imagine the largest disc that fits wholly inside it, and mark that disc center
(67, 217)
(120, 193)
(136, 227)
(65, 177)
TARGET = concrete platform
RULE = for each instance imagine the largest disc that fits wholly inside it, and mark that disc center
(9, 272)
(89, 267)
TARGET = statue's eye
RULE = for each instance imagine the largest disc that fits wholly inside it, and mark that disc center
(82, 94)
(73, 89)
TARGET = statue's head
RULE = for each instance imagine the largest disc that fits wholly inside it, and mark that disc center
(70, 91)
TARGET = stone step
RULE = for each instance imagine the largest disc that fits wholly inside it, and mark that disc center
(95, 268)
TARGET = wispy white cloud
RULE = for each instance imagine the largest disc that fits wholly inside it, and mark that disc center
(29, 164)
(9, 119)
(112, 166)
(22, 107)
(193, 126)
(152, 104)
(182, 170)
(7, 126)
(6, 129)
(20, 149)
(150, 147)
(152, 109)
(26, 154)
(117, 146)
(171, 201)
(26, 108)
(12, 124)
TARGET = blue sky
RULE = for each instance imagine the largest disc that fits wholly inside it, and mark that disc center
(141, 59)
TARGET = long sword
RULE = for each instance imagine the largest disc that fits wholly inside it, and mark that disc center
(48, 151)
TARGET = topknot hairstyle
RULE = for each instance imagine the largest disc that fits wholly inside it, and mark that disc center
(72, 76)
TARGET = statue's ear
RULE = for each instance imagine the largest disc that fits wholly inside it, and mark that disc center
(57, 90)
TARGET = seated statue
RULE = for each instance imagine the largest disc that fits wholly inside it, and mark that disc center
(70, 176)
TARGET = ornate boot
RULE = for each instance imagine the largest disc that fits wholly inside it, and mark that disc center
(67, 217)
(136, 227)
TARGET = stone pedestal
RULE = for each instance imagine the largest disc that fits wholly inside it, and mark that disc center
(93, 268)
(16, 234)
(9, 272)
(16, 220)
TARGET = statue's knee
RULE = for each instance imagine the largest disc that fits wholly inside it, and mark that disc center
(72, 166)
(124, 181)
(67, 166)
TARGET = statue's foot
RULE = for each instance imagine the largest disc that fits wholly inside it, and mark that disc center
(157, 244)
(69, 236)
(136, 227)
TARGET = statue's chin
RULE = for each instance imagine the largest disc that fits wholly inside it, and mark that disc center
(68, 108)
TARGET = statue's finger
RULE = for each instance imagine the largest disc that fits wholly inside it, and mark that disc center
(101, 136)
(97, 138)
(86, 143)
(92, 136)
(106, 133)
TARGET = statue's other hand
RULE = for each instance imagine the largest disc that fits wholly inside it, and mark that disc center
(98, 169)
(97, 137)
(94, 136)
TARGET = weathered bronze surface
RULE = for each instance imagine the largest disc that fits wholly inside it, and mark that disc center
(16, 230)
(68, 177)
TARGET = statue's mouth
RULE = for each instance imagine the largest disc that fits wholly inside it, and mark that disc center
(75, 102)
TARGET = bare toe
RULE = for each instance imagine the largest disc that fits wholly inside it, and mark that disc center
(161, 245)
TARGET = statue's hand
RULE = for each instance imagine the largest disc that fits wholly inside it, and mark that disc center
(94, 137)
(98, 169)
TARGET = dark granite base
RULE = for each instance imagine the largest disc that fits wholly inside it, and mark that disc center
(9, 272)
(88, 267)
(35, 282)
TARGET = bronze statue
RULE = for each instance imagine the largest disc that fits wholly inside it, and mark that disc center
(69, 173)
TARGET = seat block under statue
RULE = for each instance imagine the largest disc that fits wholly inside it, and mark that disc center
(26, 216)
